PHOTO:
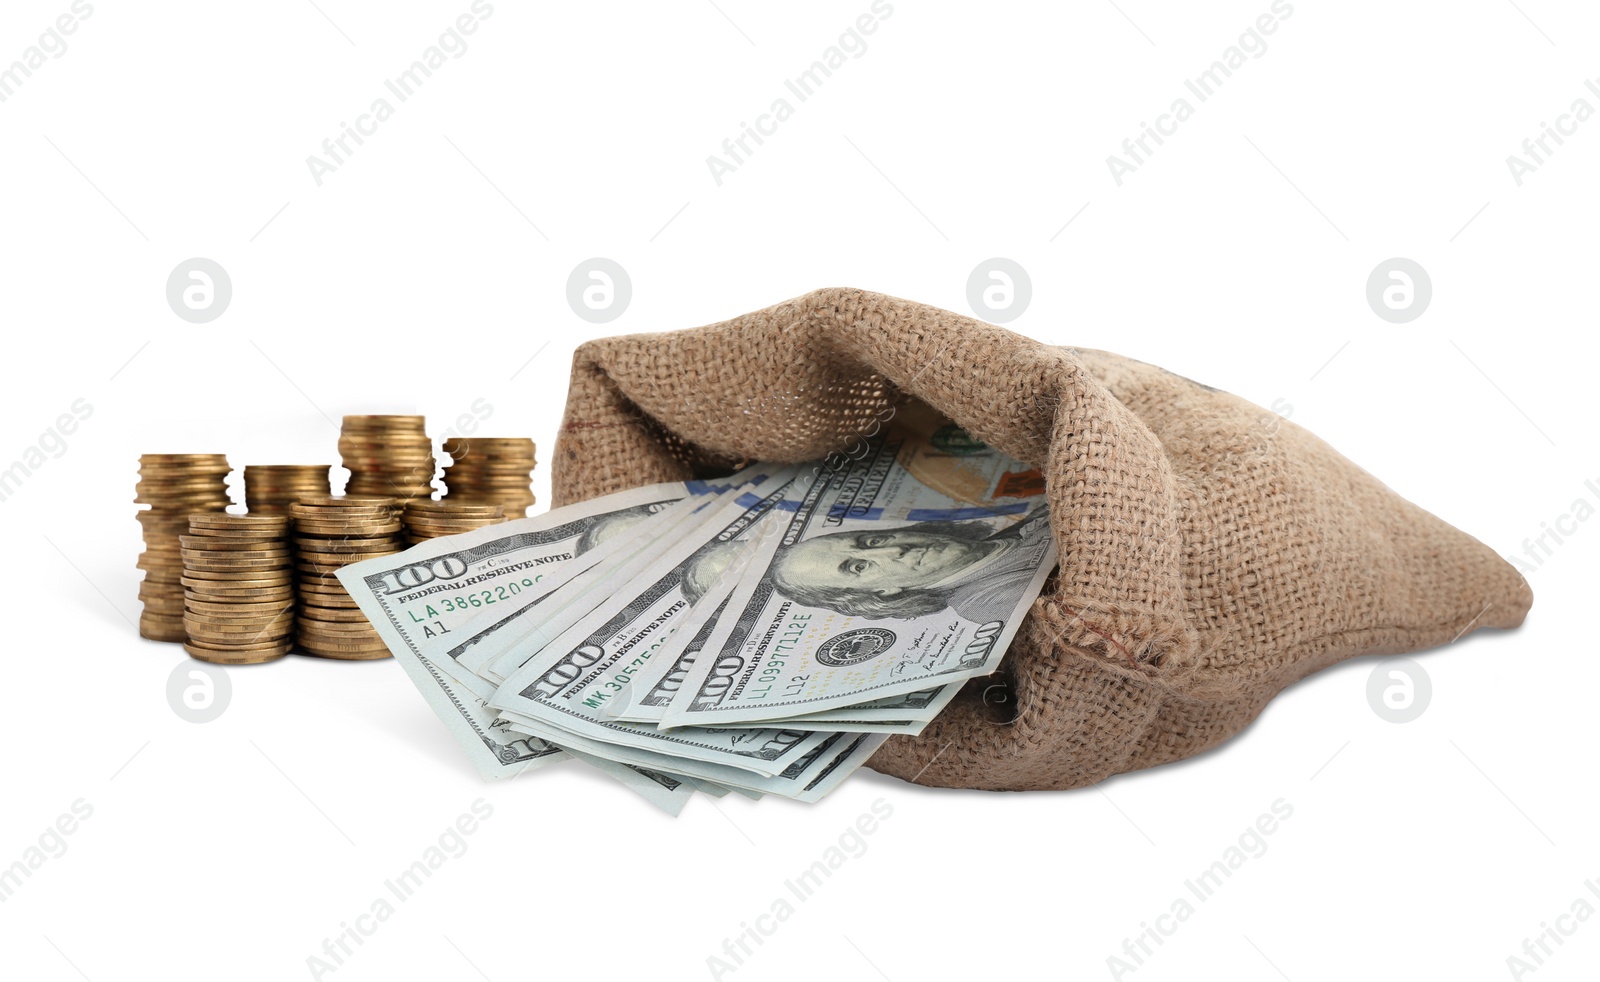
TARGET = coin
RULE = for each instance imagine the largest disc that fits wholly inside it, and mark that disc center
(174, 486)
(284, 594)
(241, 608)
(343, 652)
(157, 627)
(491, 470)
(241, 523)
(238, 654)
(269, 489)
(341, 614)
(429, 519)
(224, 541)
(330, 534)
(208, 536)
(238, 587)
(388, 455)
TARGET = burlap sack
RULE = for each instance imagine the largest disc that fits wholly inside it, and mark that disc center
(1211, 552)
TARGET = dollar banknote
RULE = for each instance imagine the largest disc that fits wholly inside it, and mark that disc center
(428, 591)
(906, 568)
(564, 688)
(655, 686)
(908, 714)
(500, 655)
(762, 633)
(466, 650)
(809, 777)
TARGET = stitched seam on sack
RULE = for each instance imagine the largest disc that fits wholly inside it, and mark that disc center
(1093, 630)
(591, 425)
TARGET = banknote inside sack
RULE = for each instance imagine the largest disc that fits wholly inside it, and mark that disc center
(760, 633)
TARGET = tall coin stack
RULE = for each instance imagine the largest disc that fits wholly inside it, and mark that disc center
(429, 519)
(388, 456)
(238, 588)
(269, 489)
(329, 534)
(491, 470)
(173, 485)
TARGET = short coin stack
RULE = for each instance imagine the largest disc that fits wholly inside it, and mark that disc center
(427, 519)
(491, 470)
(269, 489)
(330, 533)
(173, 485)
(238, 588)
(388, 456)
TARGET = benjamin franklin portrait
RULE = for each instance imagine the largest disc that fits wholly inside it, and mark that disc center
(916, 569)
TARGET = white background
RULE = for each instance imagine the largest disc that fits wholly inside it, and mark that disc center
(429, 271)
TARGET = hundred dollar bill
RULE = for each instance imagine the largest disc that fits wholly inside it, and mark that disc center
(654, 687)
(495, 648)
(567, 685)
(615, 541)
(812, 778)
(906, 715)
(655, 683)
(849, 760)
(429, 589)
(909, 712)
(466, 647)
(907, 568)
(808, 778)
(497, 754)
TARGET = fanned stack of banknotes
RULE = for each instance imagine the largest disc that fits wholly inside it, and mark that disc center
(762, 633)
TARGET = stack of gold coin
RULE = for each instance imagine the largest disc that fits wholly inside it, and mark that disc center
(388, 456)
(491, 470)
(329, 534)
(269, 489)
(429, 519)
(238, 588)
(173, 485)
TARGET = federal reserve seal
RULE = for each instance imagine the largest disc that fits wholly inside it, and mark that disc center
(855, 647)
